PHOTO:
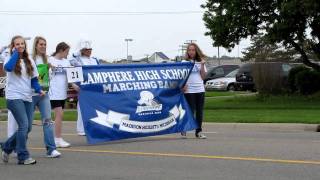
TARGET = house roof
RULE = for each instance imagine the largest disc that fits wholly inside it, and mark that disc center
(162, 55)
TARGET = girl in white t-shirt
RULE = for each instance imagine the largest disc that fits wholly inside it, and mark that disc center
(22, 77)
(39, 56)
(58, 88)
(194, 88)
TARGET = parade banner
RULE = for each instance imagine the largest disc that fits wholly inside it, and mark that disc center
(134, 100)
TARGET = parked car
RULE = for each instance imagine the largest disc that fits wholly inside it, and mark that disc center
(244, 77)
(2, 86)
(223, 84)
(219, 71)
(72, 97)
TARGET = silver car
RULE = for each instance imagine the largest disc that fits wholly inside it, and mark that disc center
(223, 84)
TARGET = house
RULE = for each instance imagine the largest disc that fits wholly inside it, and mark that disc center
(159, 57)
(141, 61)
(133, 61)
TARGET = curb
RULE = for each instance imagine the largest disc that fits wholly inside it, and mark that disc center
(231, 96)
(3, 111)
(266, 127)
(270, 127)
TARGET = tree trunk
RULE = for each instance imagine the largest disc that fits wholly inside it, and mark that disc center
(305, 58)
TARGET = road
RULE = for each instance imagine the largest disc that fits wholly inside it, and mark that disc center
(227, 154)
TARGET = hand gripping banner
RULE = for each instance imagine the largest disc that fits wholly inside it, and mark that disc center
(134, 100)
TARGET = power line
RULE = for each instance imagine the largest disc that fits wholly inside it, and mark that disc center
(98, 13)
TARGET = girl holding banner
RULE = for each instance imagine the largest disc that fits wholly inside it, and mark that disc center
(42, 102)
(83, 58)
(21, 80)
(194, 89)
(58, 88)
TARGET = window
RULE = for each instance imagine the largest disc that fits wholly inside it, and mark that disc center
(219, 71)
(286, 67)
(233, 73)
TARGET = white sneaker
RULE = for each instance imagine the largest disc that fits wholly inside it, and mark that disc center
(60, 143)
(81, 133)
(29, 161)
(14, 154)
(54, 154)
(201, 136)
(4, 157)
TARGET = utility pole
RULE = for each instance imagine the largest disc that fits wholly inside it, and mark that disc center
(183, 49)
(190, 41)
(128, 40)
(147, 56)
(219, 63)
(239, 50)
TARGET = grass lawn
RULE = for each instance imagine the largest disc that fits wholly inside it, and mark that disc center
(272, 102)
(3, 104)
(68, 115)
(274, 109)
(304, 116)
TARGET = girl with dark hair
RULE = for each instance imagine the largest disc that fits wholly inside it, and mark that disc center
(58, 88)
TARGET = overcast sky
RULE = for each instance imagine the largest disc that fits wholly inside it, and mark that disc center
(150, 32)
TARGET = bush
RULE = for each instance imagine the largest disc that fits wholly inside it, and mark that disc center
(292, 77)
(307, 81)
(268, 78)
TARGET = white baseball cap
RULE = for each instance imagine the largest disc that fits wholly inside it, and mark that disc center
(84, 44)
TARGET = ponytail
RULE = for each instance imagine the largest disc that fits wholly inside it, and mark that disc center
(60, 48)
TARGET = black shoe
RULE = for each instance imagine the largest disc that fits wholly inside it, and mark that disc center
(184, 135)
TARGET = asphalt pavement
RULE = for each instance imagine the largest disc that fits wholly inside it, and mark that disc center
(228, 154)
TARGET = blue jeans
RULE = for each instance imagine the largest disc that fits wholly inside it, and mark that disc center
(22, 112)
(44, 106)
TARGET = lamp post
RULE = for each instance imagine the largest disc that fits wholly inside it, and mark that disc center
(128, 40)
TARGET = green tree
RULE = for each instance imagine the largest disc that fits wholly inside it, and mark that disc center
(261, 50)
(294, 23)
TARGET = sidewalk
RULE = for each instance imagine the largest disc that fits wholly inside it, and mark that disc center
(270, 127)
